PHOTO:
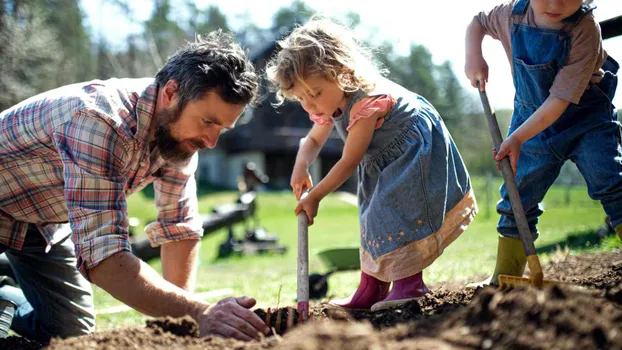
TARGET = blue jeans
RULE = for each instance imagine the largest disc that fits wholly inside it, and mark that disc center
(53, 299)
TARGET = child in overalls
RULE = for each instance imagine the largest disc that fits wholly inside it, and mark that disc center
(565, 83)
(414, 192)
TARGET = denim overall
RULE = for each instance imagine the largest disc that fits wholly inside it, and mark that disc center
(587, 133)
(410, 176)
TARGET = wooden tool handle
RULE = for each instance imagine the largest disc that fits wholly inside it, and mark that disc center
(508, 178)
(303, 265)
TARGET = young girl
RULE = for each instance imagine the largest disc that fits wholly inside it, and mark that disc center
(562, 109)
(414, 192)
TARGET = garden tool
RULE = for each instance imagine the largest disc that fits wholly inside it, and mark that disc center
(536, 277)
(303, 265)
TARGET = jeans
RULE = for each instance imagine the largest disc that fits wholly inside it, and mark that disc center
(53, 299)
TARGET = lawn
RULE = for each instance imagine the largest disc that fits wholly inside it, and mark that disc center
(570, 219)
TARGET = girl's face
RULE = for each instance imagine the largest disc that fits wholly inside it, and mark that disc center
(319, 97)
(550, 13)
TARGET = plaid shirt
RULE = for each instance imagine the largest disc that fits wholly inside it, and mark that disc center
(73, 155)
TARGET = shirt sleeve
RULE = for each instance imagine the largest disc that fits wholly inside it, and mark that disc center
(94, 157)
(366, 107)
(176, 200)
(497, 21)
(585, 53)
(320, 121)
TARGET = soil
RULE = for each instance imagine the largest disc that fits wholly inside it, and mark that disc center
(586, 314)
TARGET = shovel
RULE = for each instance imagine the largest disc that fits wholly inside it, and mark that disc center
(303, 265)
(536, 277)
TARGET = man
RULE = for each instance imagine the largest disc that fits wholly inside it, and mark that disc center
(68, 159)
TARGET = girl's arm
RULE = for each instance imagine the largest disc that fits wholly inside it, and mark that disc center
(311, 145)
(541, 119)
(357, 142)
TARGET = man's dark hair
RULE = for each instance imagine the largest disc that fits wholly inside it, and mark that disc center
(213, 61)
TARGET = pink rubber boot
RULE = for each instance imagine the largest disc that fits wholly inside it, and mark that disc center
(370, 291)
(403, 291)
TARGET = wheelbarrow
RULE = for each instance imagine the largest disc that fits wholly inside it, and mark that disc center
(338, 259)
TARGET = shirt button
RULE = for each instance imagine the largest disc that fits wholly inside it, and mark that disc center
(142, 163)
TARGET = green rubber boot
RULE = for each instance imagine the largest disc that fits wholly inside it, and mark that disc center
(511, 260)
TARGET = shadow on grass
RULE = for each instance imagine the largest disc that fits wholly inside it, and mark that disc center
(577, 241)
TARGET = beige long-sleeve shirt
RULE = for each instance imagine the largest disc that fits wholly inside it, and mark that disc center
(586, 55)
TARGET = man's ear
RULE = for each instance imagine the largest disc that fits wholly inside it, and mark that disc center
(169, 93)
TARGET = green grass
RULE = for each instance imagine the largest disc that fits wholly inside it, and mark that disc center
(570, 218)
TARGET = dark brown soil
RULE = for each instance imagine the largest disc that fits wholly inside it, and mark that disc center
(279, 320)
(564, 317)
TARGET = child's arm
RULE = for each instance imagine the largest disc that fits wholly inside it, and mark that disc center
(358, 140)
(309, 149)
(476, 68)
(541, 119)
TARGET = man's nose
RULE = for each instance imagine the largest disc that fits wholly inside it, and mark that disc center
(211, 137)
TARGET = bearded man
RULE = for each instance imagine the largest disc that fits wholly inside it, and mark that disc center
(69, 158)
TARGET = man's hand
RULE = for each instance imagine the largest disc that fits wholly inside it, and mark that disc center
(231, 318)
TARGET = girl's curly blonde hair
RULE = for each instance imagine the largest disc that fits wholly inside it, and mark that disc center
(323, 47)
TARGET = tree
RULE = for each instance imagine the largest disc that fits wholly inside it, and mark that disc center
(206, 20)
(286, 17)
(161, 34)
(65, 19)
(30, 54)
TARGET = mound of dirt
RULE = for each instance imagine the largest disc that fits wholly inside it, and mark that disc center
(561, 317)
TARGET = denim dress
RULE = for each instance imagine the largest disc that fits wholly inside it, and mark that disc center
(587, 133)
(414, 192)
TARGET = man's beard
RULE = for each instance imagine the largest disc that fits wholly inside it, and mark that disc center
(170, 149)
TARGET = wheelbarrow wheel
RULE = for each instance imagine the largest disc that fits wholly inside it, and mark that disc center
(318, 285)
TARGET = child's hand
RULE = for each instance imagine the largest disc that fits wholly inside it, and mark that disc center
(476, 69)
(309, 205)
(510, 148)
(300, 181)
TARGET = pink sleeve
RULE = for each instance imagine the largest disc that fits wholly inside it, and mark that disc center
(320, 121)
(366, 107)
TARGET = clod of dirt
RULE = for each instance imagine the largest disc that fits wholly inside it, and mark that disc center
(560, 317)
(280, 320)
(15, 342)
(183, 327)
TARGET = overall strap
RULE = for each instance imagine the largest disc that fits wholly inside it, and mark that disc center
(520, 7)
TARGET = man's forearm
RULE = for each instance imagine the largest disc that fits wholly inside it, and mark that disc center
(136, 284)
(179, 262)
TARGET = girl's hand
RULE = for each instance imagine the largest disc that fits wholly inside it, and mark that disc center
(300, 181)
(309, 205)
(476, 69)
(510, 148)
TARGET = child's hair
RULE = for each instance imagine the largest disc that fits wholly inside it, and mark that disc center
(321, 46)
